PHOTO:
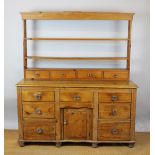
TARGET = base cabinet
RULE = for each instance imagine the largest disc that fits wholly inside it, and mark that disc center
(76, 113)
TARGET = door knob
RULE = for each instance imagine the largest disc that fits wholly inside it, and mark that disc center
(65, 122)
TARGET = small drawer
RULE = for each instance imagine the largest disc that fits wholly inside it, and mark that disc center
(116, 75)
(39, 129)
(34, 95)
(113, 131)
(37, 75)
(62, 74)
(118, 96)
(76, 96)
(110, 111)
(38, 110)
(90, 74)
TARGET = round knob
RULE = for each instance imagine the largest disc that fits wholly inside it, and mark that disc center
(115, 76)
(76, 98)
(114, 98)
(38, 111)
(114, 131)
(114, 112)
(89, 75)
(37, 96)
(37, 74)
(39, 130)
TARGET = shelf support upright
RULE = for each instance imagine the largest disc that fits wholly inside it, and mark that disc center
(24, 46)
(129, 45)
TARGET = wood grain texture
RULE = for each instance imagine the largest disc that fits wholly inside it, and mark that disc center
(38, 110)
(34, 95)
(113, 131)
(78, 84)
(76, 123)
(37, 75)
(70, 15)
(115, 96)
(112, 111)
(38, 129)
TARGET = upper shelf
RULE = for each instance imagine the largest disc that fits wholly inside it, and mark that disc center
(76, 16)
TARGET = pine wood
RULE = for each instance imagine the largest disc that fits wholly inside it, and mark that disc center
(89, 39)
(85, 108)
(31, 95)
(32, 127)
(75, 124)
(76, 104)
(76, 15)
(118, 111)
(62, 74)
(113, 131)
(37, 75)
(78, 74)
(38, 110)
(75, 58)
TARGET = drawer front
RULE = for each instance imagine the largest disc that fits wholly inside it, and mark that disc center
(116, 75)
(62, 74)
(38, 110)
(90, 74)
(34, 95)
(113, 131)
(39, 129)
(118, 96)
(37, 75)
(111, 111)
(76, 96)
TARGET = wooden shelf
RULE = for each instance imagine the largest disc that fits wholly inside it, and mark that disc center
(87, 39)
(75, 58)
(70, 15)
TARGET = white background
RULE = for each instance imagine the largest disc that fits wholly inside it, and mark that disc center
(139, 55)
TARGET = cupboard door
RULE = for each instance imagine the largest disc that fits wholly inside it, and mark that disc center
(77, 124)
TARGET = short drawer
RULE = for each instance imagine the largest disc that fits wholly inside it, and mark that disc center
(37, 75)
(90, 74)
(116, 75)
(76, 96)
(39, 129)
(115, 96)
(111, 111)
(62, 74)
(113, 131)
(38, 110)
(34, 95)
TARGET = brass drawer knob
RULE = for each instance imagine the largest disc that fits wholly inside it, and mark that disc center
(37, 96)
(114, 98)
(37, 74)
(76, 98)
(115, 76)
(38, 111)
(114, 112)
(89, 74)
(114, 131)
(39, 130)
(65, 122)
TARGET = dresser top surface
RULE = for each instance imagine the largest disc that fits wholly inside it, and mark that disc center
(89, 84)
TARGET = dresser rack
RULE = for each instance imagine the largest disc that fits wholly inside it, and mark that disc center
(30, 73)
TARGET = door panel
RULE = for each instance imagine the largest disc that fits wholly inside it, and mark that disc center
(77, 124)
